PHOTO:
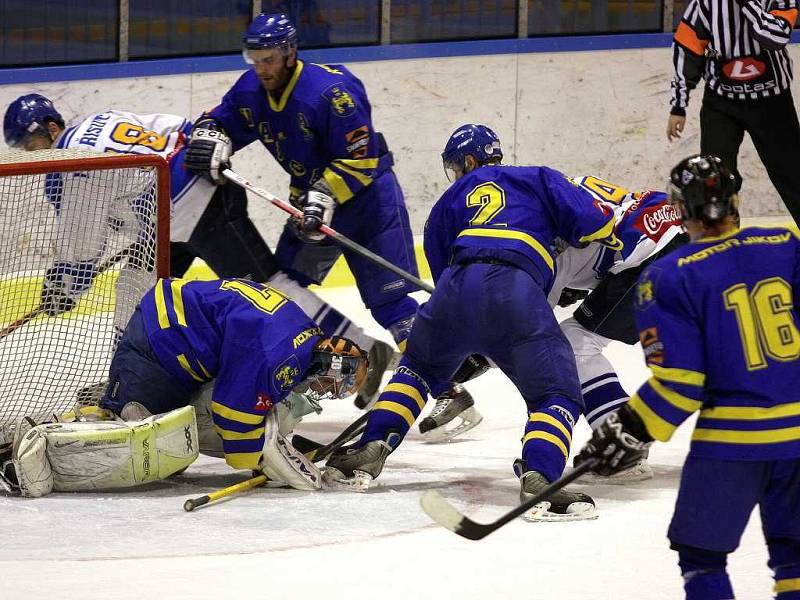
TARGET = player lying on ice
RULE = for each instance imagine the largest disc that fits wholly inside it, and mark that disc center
(604, 279)
(719, 321)
(208, 218)
(488, 241)
(249, 339)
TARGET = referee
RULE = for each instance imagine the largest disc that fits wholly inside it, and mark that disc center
(739, 48)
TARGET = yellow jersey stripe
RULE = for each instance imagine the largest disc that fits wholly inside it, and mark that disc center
(657, 427)
(398, 409)
(674, 398)
(406, 390)
(227, 434)
(358, 163)
(177, 300)
(287, 92)
(684, 376)
(243, 460)
(512, 235)
(751, 413)
(204, 370)
(551, 420)
(786, 585)
(359, 176)
(236, 415)
(184, 363)
(339, 188)
(605, 231)
(735, 436)
(161, 304)
(401, 346)
(547, 437)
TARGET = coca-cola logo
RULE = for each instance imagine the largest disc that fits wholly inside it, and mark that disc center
(744, 69)
(654, 221)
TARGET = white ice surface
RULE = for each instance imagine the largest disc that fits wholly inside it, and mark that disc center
(275, 544)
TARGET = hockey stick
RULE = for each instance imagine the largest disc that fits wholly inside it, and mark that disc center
(314, 451)
(110, 262)
(330, 232)
(446, 515)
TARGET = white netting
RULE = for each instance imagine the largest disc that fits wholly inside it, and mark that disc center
(93, 229)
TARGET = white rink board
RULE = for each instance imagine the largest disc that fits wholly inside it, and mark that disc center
(280, 544)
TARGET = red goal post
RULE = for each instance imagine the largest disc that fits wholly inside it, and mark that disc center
(100, 224)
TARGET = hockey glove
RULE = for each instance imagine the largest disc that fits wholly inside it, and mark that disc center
(317, 211)
(63, 282)
(620, 442)
(570, 296)
(209, 151)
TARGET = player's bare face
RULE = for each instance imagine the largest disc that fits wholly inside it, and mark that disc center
(271, 67)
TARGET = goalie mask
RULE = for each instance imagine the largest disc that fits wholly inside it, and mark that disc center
(338, 370)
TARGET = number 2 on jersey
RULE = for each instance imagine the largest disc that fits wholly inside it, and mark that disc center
(491, 199)
(765, 320)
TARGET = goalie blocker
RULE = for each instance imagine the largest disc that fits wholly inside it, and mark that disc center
(85, 456)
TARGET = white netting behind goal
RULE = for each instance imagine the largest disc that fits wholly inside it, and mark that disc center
(97, 223)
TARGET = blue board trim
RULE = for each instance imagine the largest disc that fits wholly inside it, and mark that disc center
(210, 64)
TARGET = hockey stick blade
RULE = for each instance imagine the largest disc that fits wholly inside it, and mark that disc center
(446, 515)
(318, 452)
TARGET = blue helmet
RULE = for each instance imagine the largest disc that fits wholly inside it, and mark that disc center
(270, 31)
(26, 115)
(477, 140)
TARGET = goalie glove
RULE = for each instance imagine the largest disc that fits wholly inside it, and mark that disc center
(283, 463)
(208, 151)
(63, 282)
(620, 442)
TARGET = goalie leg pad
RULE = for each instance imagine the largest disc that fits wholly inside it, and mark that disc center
(105, 455)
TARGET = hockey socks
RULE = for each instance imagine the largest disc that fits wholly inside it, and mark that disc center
(602, 395)
(548, 435)
(704, 575)
(398, 406)
(785, 562)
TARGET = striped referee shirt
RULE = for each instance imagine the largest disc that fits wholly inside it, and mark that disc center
(737, 46)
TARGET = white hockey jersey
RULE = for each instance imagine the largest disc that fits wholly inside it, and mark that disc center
(127, 133)
(162, 134)
(645, 223)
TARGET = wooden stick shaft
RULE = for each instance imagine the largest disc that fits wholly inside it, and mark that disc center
(238, 488)
(329, 231)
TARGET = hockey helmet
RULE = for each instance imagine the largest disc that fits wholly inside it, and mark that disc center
(704, 188)
(27, 115)
(267, 30)
(338, 370)
(471, 139)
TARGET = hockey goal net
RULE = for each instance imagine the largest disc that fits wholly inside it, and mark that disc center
(97, 227)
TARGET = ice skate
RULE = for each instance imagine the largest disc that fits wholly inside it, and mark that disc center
(563, 505)
(453, 414)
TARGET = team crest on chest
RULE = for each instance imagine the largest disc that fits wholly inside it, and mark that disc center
(288, 373)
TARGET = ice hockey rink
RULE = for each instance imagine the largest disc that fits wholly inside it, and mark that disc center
(276, 544)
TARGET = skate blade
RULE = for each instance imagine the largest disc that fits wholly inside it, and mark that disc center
(583, 511)
(469, 419)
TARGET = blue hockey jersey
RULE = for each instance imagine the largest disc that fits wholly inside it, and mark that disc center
(513, 214)
(321, 126)
(249, 338)
(718, 320)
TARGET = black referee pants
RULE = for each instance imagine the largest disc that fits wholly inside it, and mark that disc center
(773, 126)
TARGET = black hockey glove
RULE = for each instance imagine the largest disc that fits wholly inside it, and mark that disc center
(209, 151)
(570, 296)
(63, 282)
(620, 442)
(318, 210)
